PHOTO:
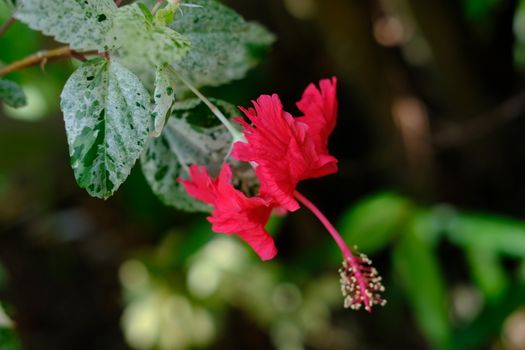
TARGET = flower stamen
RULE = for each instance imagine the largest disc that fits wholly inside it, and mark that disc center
(361, 285)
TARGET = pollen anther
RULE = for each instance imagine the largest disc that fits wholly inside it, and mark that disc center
(361, 287)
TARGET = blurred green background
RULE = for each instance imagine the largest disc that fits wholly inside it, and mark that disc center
(430, 143)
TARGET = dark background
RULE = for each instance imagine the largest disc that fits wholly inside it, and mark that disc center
(431, 105)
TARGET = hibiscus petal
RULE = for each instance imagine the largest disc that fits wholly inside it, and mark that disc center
(261, 242)
(233, 212)
(285, 149)
(275, 142)
(201, 186)
(251, 232)
(319, 107)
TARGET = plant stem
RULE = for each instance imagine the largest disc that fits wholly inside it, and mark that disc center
(237, 135)
(6, 25)
(354, 262)
(41, 57)
(326, 223)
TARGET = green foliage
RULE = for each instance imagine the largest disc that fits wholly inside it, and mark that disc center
(81, 24)
(487, 271)
(11, 93)
(374, 222)
(166, 15)
(164, 97)
(415, 233)
(9, 3)
(130, 31)
(20, 39)
(477, 9)
(499, 234)
(419, 269)
(489, 323)
(191, 136)
(486, 238)
(106, 111)
(9, 340)
(140, 41)
(223, 45)
(214, 273)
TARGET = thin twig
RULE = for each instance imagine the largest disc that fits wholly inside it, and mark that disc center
(6, 25)
(42, 57)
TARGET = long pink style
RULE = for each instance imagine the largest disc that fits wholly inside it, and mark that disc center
(360, 282)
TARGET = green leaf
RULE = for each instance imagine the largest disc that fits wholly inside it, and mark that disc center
(223, 46)
(106, 111)
(373, 222)
(488, 272)
(83, 24)
(164, 96)
(418, 268)
(494, 233)
(11, 93)
(146, 12)
(191, 136)
(139, 41)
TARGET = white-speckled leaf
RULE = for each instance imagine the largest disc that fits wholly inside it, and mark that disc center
(11, 93)
(139, 41)
(106, 112)
(83, 24)
(164, 97)
(223, 45)
(192, 136)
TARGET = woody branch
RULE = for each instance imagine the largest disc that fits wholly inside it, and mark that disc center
(43, 57)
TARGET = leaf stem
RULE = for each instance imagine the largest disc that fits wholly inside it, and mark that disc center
(236, 134)
(6, 25)
(42, 57)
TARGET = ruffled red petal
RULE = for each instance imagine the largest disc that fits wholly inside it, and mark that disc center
(286, 150)
(319, 108)
(233, 212)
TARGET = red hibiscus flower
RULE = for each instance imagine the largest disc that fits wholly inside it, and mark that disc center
(233, 212)
(285, 149)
